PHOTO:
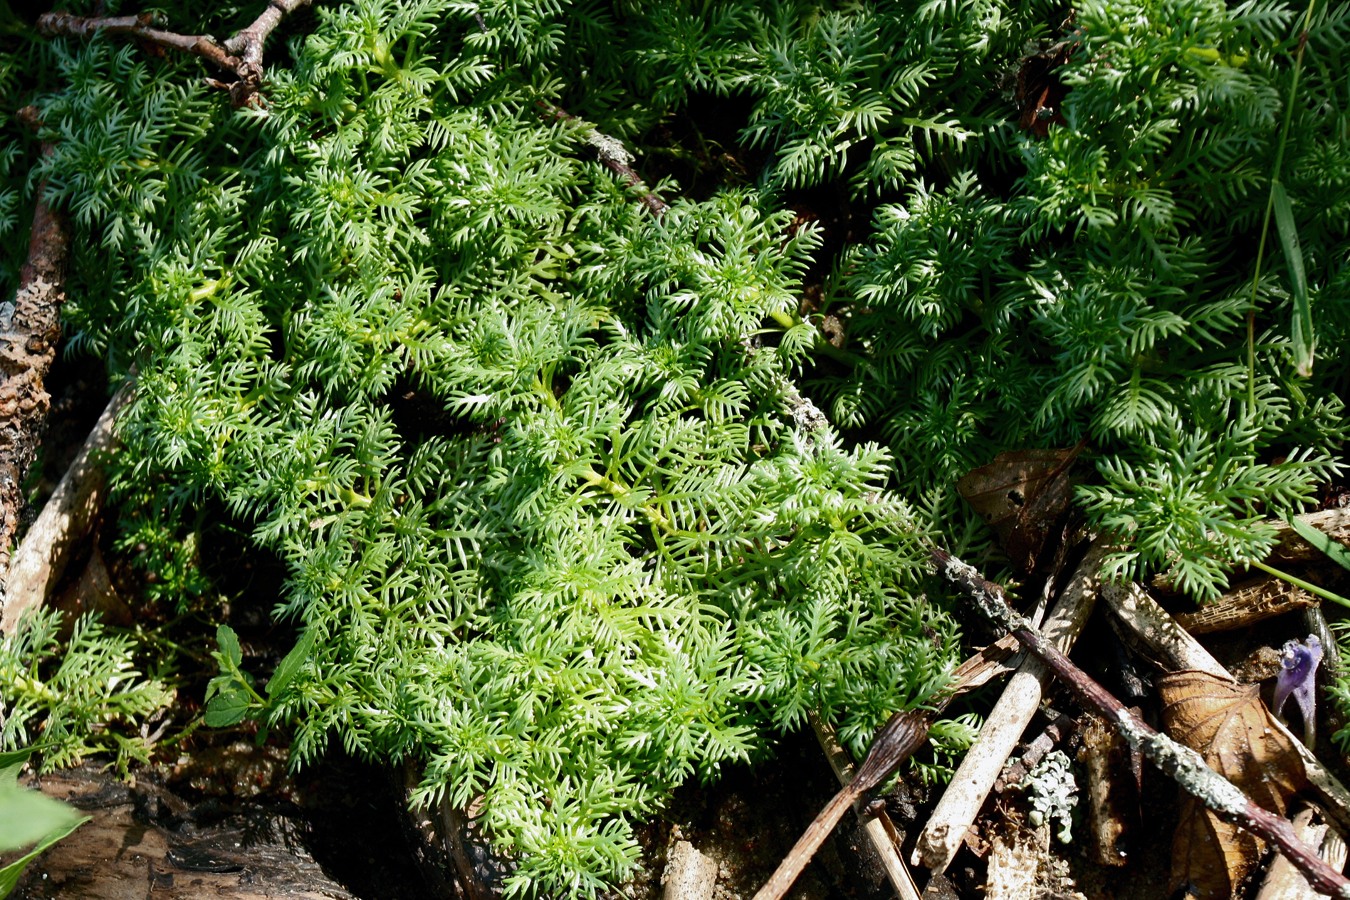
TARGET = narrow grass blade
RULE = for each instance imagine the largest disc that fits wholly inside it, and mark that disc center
(1322, 541)
(1302, 330)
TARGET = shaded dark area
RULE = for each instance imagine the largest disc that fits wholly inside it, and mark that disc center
(229, 821)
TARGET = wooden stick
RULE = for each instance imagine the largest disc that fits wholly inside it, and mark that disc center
(879, 829)
(946, 828)
(897, 740)
(613, 156)
(1174, 649)
(1283, 881)
(1250, 602)
(1181, 763)
(42, 555)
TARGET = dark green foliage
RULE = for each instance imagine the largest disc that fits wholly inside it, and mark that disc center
(564, 519)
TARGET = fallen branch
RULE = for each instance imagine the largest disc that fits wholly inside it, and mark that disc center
(946, 828)
(613, 156)
(897, 740)
(29, 330)
(1181, 763)
(42, 555)
(239, 58)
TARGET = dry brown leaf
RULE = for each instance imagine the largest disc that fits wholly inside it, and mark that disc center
(1022, 494)
(1232, 729)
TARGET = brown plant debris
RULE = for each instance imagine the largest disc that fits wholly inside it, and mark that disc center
(1023, 495)
(29, 329)
(1232, 729)
(238, 59)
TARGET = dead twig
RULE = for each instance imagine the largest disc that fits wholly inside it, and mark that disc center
(1182, 764)
(612, 155)
(897, 740)
(941, 837)
(238, 59)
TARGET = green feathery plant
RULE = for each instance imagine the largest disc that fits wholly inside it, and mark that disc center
(79, 695)
(578, 502)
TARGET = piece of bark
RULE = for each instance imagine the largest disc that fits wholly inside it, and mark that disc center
(1289, 547)
(1250, 602)
(689, 874)
(992, 661)
(29, 329)
(1184, 765)
(42, 556)
(1156, 634)
(1176, 649)
(118, 855)
(952, 817)
(1016, 858)
(881, 832)
(1283, 880)
(1111, 798)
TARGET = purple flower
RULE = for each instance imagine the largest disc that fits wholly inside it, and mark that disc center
(1298, 678)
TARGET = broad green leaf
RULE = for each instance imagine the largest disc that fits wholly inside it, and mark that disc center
(1301, 332)
(1334, 549)
(11, 763)
(290, 665)
(226, 709)
(229, 645)
(27, 817)
(10, 874)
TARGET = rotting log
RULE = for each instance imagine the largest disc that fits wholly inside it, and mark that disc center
(29, 328)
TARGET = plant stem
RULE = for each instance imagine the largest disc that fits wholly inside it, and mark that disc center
(1300, 583)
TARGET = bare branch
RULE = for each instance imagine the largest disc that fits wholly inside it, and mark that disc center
(1181, 763)
(239, 58)
(613, 156)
